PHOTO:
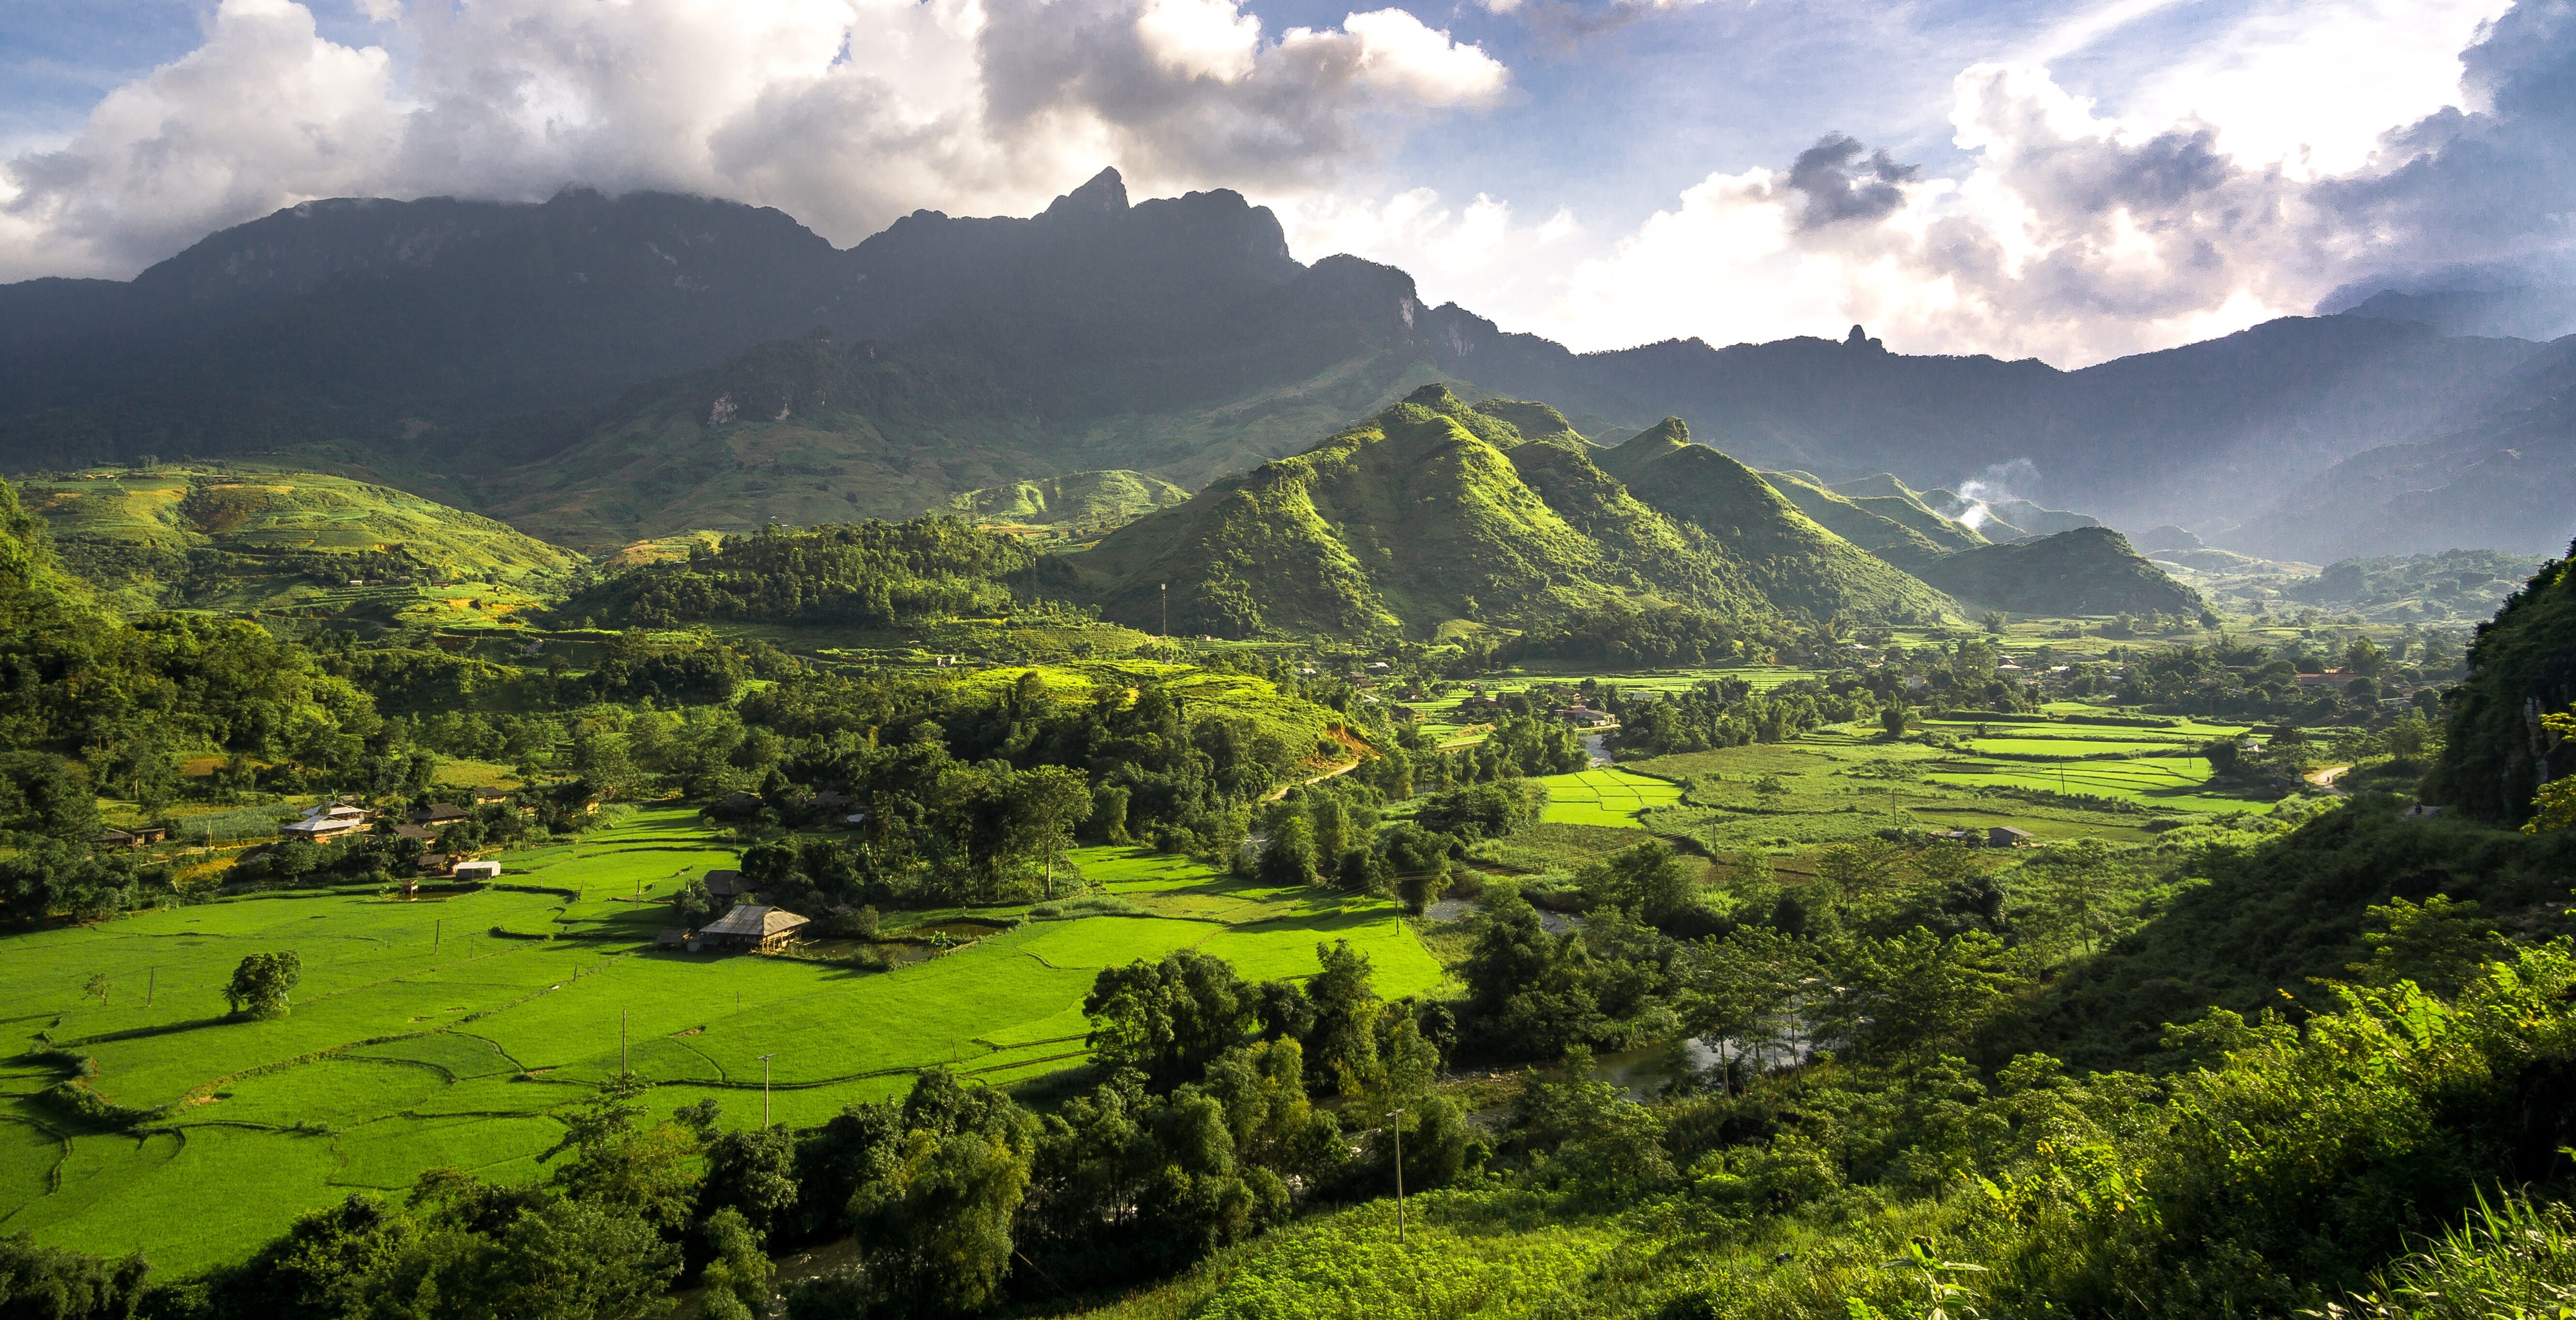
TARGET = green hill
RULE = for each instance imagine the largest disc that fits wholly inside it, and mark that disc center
(1880, 535)
(2090, 570)
(1091, 500)
(1434, 512)
(871, 574)
(242, 538)
(2495, 754)
(1915, 510)
(1799, 564)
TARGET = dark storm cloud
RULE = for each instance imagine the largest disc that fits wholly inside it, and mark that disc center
(1841, 183)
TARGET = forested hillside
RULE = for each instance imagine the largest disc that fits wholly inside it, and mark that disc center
(866, 574)
(1435, 512)
(2090, 570)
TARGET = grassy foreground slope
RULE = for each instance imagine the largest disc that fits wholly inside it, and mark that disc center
(234, 537)
(1800, 564)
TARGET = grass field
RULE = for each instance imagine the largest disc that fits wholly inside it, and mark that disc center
(448, 1031)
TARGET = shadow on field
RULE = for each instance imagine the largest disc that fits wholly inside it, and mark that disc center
(147, 1033)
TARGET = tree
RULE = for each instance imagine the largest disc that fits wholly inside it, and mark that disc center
(1646, 877)
(935, 1229)
(53, 1283)
(1290, 858)
(1344, 1037)
(262, 982)
(1894, 718)
(1168, 1019)
(1052, 800)
(738, 1275)
(1858, 870)
(98, 987)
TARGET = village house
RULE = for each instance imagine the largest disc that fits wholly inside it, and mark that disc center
(438, 813)
(726, 882)
(752, 926)
(137, 837)
(328, 821)
(1580, 716)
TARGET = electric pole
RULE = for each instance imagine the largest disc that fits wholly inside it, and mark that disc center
(1395, 1119)
(1166, 589)
(764, 1088)
(621, 1043)
(151, 979)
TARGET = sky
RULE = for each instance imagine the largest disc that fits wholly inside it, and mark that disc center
(2070, 181)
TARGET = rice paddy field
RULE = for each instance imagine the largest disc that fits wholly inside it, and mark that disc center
(1834, 785)
(1609, 797)
(450, 1030)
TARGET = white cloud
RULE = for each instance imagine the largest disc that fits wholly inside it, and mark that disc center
(845, 113)
(1472, 255)
(264, 114)
(2075, 234)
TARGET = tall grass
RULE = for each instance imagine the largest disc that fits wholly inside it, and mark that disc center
(2511, 1259)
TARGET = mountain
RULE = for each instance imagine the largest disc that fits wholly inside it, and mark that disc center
(2507, 482)
(1800, 564)
(246, 538)
(2088, 571)
(1878, 533)
(1918, 511)
(2531, 312)
(1434, 512)
(1093, 500)
(566, 363)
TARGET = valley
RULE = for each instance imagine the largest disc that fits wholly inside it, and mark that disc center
(583, 758)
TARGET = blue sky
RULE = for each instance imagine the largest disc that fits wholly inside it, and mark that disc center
(2066, 181)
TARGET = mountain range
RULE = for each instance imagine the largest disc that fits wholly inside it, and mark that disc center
(600, 370)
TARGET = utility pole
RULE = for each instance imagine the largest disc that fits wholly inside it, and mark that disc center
(151, 979)
(764, 1088)
(621, 1042)
(1395, 1119)
(1166, 589)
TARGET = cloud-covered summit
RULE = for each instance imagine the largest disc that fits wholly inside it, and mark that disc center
(844, 113)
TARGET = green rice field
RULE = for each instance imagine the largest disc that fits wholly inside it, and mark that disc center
(449, 1030)
(1609, 797)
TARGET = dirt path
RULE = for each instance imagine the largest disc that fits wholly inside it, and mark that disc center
(2324, 777)
(1282, 791)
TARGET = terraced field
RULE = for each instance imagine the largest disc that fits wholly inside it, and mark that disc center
(450, 1030)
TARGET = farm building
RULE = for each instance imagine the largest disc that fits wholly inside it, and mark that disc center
(133, 838)
(490, 794)
(433, 864)
(437, 813)
(478, 870)
(327, 822)
(2006, 836)
(725, 882)
(752, 926)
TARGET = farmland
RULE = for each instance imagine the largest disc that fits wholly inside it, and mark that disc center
(447, 1031)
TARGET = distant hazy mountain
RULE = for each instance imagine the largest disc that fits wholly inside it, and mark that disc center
(2505, 483)
(589, 366)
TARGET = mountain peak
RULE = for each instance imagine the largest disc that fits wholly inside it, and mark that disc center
(1105, 194)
